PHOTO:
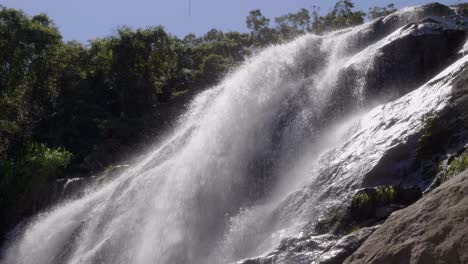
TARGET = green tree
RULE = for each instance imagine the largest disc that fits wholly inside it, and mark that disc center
(28, 75)
(293, 24)
(376, 12)
(341, 16)
(259, 26)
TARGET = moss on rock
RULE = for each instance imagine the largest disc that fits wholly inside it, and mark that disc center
(457, 166)
(367, 207)
(425, 141)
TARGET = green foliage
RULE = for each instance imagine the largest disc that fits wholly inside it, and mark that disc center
(386, 193)
(341, 16)
(27, 182)
(45, 161)
(376, 12)
(381, 195)
(457, 166)
(424, 141)
(293, 24)
(256, 21)
(261, 33)
(38, 163)
(352, 228)
(213, 66)
(360, 200)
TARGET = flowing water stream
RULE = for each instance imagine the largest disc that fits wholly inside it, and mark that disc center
(244, 167)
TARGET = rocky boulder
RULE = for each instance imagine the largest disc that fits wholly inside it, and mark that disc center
(319, 249)
(367, 207)
(396, 64)
(383, 26)
(433, 230)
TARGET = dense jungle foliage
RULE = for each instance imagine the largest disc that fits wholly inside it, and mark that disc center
(71, 109)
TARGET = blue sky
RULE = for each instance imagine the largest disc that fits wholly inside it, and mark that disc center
(88, 19)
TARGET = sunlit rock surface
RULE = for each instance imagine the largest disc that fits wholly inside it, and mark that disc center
(433, 230)
(381, 150)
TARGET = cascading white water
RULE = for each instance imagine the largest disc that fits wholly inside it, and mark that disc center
(214, 189)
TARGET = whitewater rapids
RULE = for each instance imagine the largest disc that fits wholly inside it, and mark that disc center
(247, 164)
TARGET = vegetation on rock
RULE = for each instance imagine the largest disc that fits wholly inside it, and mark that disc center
(432, 230)
(26, 184)
(425, 141)
(457, 166)
(366, 207)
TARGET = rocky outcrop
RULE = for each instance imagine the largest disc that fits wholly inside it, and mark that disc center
(443, 137)
(383, 26)
(320, 249)
(345, 246)
(399, 62)
(343, 230)
(423, 49)
(401, 143)
(366, 207)
(433, 230)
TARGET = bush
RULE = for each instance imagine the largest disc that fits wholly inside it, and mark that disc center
(44, 161)
(386, 194)
(27, 183)
(360, 200)
(456, 166)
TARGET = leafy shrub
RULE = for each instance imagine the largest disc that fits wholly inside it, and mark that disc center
(456, 166)
(46, 161)
(360, 200)
(27, 183)
(386, 193)
(352, 228)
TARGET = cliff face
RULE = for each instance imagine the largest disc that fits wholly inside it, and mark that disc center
(417, 139)
(433, 230)
(409, 150)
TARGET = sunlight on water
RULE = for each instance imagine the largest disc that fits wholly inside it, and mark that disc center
(230, 180)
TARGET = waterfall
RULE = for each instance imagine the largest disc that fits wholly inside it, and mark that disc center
(246, 165)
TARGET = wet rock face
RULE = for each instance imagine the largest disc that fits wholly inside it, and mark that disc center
(429, 47)
(413, 59)
(370, 205)
(320, 249)
(367, 207)
(383, 26)
(433, 230)
(403, 60)
(443, 136)
(336, 238)
(405, 152)
(346, 246)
